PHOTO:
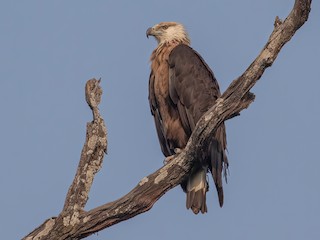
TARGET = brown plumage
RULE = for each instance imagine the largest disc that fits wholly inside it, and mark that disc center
(181, 89)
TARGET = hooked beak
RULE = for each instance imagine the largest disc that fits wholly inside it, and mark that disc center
(149, 32)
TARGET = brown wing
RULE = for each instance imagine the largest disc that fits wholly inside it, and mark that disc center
(194, 89)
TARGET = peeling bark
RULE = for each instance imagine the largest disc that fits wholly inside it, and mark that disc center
(75, 223)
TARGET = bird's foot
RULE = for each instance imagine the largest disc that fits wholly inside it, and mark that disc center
(177, 150)
(168, 159)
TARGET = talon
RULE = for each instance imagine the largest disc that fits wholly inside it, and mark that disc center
(177, 150)
(168, 159)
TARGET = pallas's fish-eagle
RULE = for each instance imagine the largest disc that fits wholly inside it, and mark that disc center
(182, 88)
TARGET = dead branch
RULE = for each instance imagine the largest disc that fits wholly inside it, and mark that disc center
(75, 223)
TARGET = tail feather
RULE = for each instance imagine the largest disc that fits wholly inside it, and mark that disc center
(196, 191)
(216, 160)
(219, 162)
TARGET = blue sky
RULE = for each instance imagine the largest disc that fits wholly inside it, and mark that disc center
(50, 48)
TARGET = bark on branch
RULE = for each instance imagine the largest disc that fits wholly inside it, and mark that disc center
(75, 223)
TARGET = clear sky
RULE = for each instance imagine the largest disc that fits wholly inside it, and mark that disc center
(48, 49)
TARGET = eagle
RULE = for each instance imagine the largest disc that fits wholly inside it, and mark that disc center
(182, 88)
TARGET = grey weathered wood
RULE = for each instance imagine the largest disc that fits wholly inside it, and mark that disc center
(75, 223)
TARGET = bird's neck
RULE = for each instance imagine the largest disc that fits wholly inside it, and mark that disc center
(164, 48)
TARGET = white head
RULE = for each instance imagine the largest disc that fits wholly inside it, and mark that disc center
(167, 32)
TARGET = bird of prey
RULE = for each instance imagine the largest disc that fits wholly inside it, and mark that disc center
(182, 88)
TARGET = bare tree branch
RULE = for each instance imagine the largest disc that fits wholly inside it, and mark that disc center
(92, 152)
(75, 223)
(90, 163)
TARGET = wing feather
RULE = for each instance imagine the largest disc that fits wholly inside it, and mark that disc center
(194, 89)
(191, 81)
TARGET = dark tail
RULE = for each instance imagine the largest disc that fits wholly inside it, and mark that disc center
(216, 160)
(219, 161)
